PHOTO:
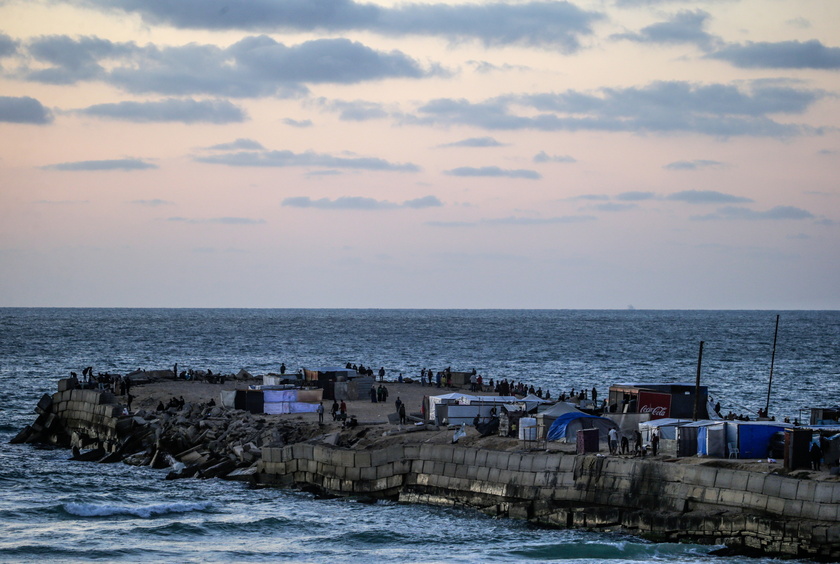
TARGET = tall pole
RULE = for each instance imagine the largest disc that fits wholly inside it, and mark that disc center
(772, 362)
(697, 383)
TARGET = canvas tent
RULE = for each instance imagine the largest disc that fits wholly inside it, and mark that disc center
(566, 426)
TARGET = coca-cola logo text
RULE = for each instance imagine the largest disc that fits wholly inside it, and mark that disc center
(657, 411)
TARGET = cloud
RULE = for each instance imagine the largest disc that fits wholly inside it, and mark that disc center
(590, 197)
(288, 158)
(614, 207)
(359, 203)
(693, 165)
(23, 110)
(113, 164)
(357, 110)
(661, 107)
(170, 110)
(298, 123)
(254, 66)
(543, 157)
(156, 203)
(8, 46)
(635, 196)
(239, 144)
(685, 27)
(740, 213)
(706, 197)
(781, 55)
(494, 171)
(474, 142)
(556, 24)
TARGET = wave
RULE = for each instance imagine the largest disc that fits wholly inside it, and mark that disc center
(606, 550)
(144, 511)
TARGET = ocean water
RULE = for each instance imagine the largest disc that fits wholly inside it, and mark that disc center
(57, 510)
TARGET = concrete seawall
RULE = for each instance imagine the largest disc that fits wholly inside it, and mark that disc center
(744, 510)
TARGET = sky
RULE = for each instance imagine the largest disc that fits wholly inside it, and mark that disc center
(606, 154)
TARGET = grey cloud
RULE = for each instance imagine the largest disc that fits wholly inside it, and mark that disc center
(156, 203)
(357, 110)
(494, 171)
(614, 207)
(73, 60)
(170, 110)
(474, 142)
(8, 46)
(23, 110)
(557, 24)
(359, 203)
(254, 66)
(692, 165)
(113, 164)
(740, 213)
(706, 197)
(664, 107)
(543, 157)
(298, 123)
(828, 152)
(239, 144)
(635, 196)
(591, 197)
(684, 27)
(288, 158)
(487, 67)
(782, 55)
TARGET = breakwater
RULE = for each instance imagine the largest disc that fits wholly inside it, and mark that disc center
(746, 511)
(662, 500)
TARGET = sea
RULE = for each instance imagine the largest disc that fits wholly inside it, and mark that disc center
(53, 509)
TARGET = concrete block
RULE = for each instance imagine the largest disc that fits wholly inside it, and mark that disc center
(385, 470)
(755, 483)
(828, 512)
(367, 473)
(458, 455)
(483, 473)
(449, 469)
(806, 490)
(823, 492)
(352, 473)
(469, 456)
(793, 508)
(773, 485)
(739, 480)
(776, 506)
(788, 489)
(362, 458)
(481, 457)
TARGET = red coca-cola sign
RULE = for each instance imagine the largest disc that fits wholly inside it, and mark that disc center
(658, 405)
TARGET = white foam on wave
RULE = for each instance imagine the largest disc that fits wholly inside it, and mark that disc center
(145, 511)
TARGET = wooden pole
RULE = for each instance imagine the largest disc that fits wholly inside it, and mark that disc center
(697, 383)
(772, 362)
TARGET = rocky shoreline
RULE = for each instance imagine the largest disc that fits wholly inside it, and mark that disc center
(712, 502)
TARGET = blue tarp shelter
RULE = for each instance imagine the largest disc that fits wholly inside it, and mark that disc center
(754, 438)
(566, 426)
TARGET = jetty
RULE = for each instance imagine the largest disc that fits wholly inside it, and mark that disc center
(750, 507)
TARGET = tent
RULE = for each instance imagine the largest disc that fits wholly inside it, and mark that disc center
(667, 428)
(709, 439)
(566, 426)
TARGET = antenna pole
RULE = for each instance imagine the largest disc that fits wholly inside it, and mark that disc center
(697, 383)
(772, 362)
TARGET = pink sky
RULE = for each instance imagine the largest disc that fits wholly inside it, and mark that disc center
(593, 154)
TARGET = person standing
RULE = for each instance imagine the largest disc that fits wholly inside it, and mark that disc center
(381, 373)
(654, 442)
(320, 411)
(613, 436)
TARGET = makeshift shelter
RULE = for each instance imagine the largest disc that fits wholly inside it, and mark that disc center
(660, 400)
(546, 417)
(751, 438)
(476, 405)
(566, 426)
(667, 428)
(703, 438)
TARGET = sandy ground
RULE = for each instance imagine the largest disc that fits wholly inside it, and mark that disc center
(147, 397)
